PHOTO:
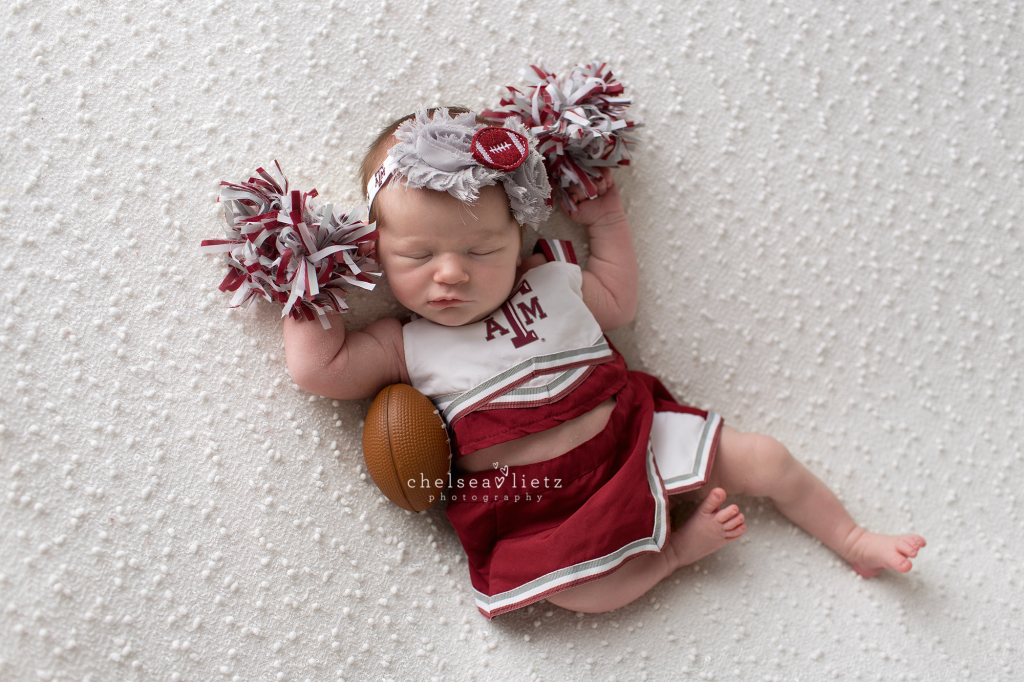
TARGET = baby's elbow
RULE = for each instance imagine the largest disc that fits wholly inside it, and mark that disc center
(618, 315)
(303, 375)
(614, 320)
(308, 372)
(627, 312)
(333, 379)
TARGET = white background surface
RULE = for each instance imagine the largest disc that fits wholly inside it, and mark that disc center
(827, 213)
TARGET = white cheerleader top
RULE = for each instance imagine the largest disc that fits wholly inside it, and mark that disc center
(539, 345)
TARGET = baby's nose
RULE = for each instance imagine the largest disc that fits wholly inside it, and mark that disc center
(450, 270)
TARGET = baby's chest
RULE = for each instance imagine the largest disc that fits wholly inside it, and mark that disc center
(541, 332)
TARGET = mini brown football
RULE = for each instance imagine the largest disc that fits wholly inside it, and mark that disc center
(406, 447)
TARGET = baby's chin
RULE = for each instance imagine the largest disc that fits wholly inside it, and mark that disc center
(453, 317)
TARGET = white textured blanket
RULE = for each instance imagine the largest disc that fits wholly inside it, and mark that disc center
(828, 214)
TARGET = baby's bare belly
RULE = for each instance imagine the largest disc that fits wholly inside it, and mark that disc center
(537, 447)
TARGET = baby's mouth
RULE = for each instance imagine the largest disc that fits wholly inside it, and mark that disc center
(445, 302)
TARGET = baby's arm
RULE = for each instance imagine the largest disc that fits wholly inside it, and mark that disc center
(610, 281)
(331, 363)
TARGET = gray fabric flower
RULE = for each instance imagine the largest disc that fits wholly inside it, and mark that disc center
(527, 187)
(436, 153)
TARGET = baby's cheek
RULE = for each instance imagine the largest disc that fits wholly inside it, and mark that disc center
(404, 285)
(395, 270)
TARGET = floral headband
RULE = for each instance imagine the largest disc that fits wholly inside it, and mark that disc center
(455, 154)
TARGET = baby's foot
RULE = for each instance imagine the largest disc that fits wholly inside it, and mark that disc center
(871, 553)
(707, 530)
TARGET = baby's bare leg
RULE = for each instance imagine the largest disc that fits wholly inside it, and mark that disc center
(752, 464)
(707, 529)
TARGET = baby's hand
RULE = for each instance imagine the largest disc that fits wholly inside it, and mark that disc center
(605, 207)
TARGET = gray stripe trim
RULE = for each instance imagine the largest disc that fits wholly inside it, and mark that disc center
(706, 438)
(445, 398)
(558, 384)
(598, 349)
(546, 388)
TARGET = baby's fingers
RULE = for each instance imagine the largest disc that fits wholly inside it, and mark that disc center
(570, 211)
(577, 194)
(602, 183)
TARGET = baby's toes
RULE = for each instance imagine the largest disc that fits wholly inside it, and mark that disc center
(729, 512)
(709, 505)
(909, 545)
(736, 532)
(734, 522)
(899, 562)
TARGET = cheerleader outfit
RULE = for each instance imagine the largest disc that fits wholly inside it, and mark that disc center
(533, 530)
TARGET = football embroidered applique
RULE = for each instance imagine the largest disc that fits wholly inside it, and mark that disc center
(499, 148)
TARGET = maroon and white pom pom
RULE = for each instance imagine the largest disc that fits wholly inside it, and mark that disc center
(579, 120)
(284, 246)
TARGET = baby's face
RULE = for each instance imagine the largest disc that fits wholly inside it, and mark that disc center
(450, 263)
